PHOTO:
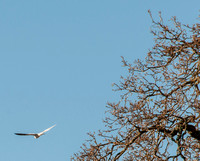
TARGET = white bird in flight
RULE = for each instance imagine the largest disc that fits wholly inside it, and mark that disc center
(36, 135)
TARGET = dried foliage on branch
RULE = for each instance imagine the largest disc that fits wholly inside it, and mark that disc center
(158, 115)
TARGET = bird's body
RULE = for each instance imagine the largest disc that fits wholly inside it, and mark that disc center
(36, 135)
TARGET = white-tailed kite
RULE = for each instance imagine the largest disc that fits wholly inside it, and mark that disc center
(36, 135)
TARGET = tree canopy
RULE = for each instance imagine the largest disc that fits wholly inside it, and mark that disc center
(158, 115)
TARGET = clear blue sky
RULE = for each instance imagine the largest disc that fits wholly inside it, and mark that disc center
(58, 60)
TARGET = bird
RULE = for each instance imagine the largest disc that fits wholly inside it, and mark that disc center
(36, 135)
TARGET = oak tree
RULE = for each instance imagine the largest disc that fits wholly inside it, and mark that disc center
(158, 115)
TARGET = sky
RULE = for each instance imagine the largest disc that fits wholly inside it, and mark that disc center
(58, 60)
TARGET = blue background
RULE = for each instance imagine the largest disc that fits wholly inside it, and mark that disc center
(58, 60)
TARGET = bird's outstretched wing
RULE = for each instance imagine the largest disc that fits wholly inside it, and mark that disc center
(23, 134)
(46, 130)
(36, 135)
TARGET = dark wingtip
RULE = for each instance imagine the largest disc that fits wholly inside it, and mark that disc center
(18, 134)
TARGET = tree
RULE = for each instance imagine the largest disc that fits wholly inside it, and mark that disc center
(158, 115)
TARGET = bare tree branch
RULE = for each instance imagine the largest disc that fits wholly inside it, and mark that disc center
(158, 115)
